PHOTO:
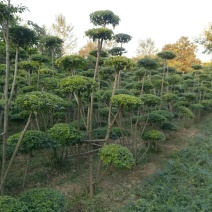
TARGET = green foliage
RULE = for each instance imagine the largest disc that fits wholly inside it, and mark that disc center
(102, 53)
(125, 101)
(78, 84)
(115, 51)
(117, 155)
(115, 133)
(71, 62)
(207, 104)
(9, 152)
(190, 96)
(153, 118)
(64, 135)
(105, 110)
(104, 17)
(99, 33)
(27, 89)
(166, 55)
(168, 115)
(11, 204)
(32, 140)
(197, 107)
(169, 97)
(169, 126)
(184, 184)
(119, 63)
(122, 38)
(185, 112)
(39, 101)
(147, 63)
(150, 100)
(153, 136)
(40, 58)
(44, 199)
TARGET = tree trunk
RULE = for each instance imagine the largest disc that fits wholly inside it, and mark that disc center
(15, 74)
(6, 105)
(91, 183)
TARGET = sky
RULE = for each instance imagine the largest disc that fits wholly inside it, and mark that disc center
(164, 21)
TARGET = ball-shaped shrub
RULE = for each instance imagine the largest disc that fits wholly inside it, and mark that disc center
(44, 199)
(117, 155)
(64, 135)
(32, 140)
(11, 204)
(153, 136)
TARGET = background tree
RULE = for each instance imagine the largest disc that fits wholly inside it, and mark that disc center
(205, 39)
(64, 31)
(85, 50)
(53, 45)
(185, 54)
(146, 48)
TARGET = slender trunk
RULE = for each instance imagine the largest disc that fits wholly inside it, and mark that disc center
(14, 153)
(26, 170)
(91, 183)
(53, 61)
(90, 127)
(6, 104)
(15, 74)
(110, 108)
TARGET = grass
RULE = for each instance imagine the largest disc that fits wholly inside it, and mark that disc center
(184, 184)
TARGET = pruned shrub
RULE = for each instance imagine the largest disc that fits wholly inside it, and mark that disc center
(11, 204)
(117, 155)
(44, 199)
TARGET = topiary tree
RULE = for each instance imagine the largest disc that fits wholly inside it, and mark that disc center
(122, 102)
(79, 85)
(44, 199)
(65, 137)
(21, 37)
(152, 137)
(165, 55)
(33, 140)
(39, 59)
(34, 102)
(71, 63)
(117, 156)
(53, 44)
(148, 64)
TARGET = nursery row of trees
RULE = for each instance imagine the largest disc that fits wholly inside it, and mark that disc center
(104, 106)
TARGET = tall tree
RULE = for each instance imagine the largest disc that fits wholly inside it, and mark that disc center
(20, 37)
(146, 48)
(64, 31)
(7, 16)
(100, 18)
(185, 54)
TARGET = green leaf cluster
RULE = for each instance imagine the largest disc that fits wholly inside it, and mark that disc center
(11, 204)
(125, 101)
(64, 135)
(78, 84)
(39, 101)
(117, 155)
(44, 199)
(153, 135)
(32, 140)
